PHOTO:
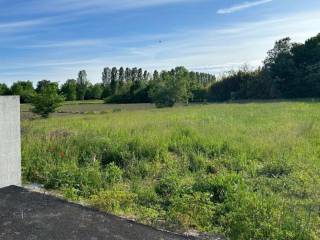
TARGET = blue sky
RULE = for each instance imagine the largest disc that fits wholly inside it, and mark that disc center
(54, 39)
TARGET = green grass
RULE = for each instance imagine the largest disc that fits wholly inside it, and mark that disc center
(248, 171)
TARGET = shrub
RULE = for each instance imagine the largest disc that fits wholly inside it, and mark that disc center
(116, 200)
(115, 153)
(85, 181)
(148, 215)
(113, 174)
(146, 195)
(71, 194)
(46, 102)
(218, 186)
(193, 211)
(162, 95)
(167, 186)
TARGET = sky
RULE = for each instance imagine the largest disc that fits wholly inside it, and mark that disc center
(55, 39)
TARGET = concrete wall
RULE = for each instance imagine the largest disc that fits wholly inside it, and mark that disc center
(10, 147)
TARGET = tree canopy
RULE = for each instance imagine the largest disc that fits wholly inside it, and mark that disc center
(46, 101)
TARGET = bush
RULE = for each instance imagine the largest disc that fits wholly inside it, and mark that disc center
(71, 194)
(46, 102)
(84, 181)
(193, 211)
(147, 196)
(218, 186)
(162, 96)
(115, 154)
(167, 186)
(116, 200)
(113, 174)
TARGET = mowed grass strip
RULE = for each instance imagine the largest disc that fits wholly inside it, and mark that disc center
(248, 171)
(84, 107)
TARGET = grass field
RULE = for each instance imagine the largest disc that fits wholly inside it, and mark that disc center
(248, 171)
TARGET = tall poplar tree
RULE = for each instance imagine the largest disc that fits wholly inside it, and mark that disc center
(114, 80)
(106, 77)
(82, 84)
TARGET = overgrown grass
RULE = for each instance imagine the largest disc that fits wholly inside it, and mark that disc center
(249, 171)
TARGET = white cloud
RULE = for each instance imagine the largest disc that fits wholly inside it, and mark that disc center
(66, 44)
(112, 41)
(242, 6)
(79, 7)
(61, 11)
(23, 24)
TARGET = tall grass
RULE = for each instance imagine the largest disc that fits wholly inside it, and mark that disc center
(249, 171)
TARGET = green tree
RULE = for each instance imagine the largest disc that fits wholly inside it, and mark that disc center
(24, 89)
(137, 83)
(156, 75)
(134, 74)
(46, 101)
(197, 89)
(121, 75)
(140, 74)
(146, 76)
(181, 82)
(106, 77)
(122, 78)
(307, 60)
(114, 80)
(95, 91)
(82, 85)
(162, 93)
(128, 76)
(69, 90)
(4, 90)
(106, 92)
(280, 65)
(173, 87)
(45, 83)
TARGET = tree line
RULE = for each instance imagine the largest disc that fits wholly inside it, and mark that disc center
(123, 85)
(290, 70)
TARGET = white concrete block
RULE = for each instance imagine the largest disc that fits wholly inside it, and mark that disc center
(10, 141)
